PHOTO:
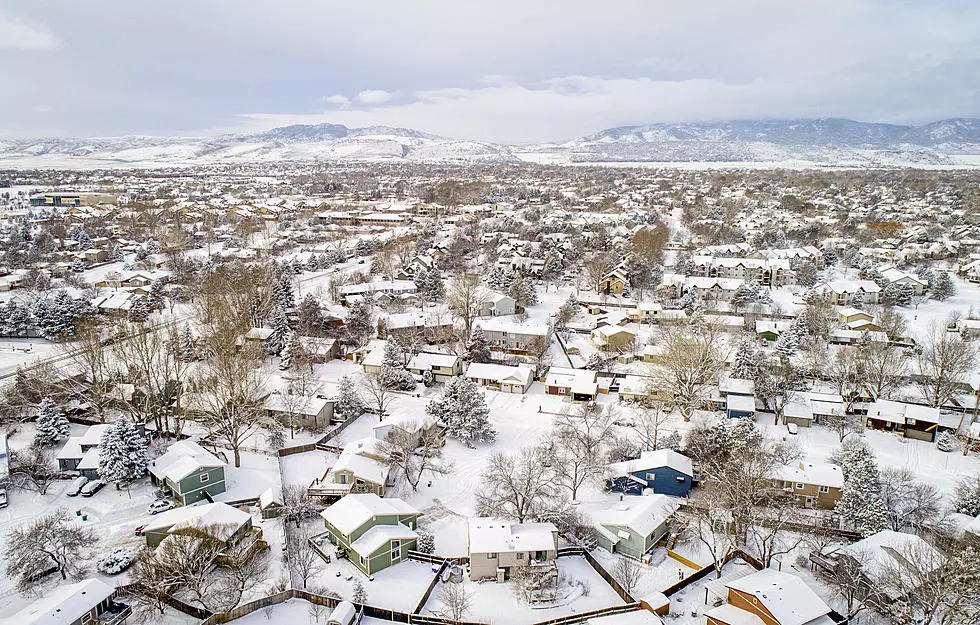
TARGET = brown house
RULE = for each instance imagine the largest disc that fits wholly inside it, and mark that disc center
(812, 485)
(769, 597)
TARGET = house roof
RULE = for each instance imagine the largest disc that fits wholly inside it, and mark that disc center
(785, 596)
(63, 605)
(360, 458)
(898, 412)
(379, 536)
(730, 615)
(510, 325)
(740, 403)
(488, 535)
(578, 380)
(356, 509)
(303, 405)
(521, 374)
(225, 518)
(820, 473)
(426, 360)
(879, 553)
(641, 514)
(181, 459)
(655, 460)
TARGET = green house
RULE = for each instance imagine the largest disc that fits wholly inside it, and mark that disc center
(190, 472)
(374, 533)
(633, 525)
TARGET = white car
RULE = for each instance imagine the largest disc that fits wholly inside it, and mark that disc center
(76, 486)
(116, 561)
(792, 428)
(160, 506)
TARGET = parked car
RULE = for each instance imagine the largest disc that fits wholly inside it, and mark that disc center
(159, 506)
(139, 529)
(76, 486)
(116, 561)
(91, 488)
(3, 497)
(792, 428)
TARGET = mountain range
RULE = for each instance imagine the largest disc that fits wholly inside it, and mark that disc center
(804, 142)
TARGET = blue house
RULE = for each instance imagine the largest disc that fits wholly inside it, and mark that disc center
(664, 471)
(739, 396)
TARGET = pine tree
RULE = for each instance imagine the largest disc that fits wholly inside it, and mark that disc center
(523, 291)
(188, 347)
(861, 505)
(155, 298)
(433, 287)
(290, 349)
(349, 404)
(497, 278)
(358, 594)
(283, 290)
(393, 355)
(945, 441)
(967, 497)
(139, 312)
(426, 542)
(280, 329)
(745, 363)
(478, 347)
(596, 362)
(113, 462)
(51, 424)
(463, 409)
(358, 323)
(942, 287)
(310, 316)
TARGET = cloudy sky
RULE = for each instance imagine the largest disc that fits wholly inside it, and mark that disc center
(500, 70)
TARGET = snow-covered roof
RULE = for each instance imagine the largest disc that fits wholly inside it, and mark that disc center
(737, 386)
(820, 474)
(512, 326)
(740, 403)
(356, 509)
(488, 535)
(379, 536)
(729, 614)
(224, 518)
(521, 374)
(785, 596)
(63, 605)
(360, 457)
(93, 435)
(898, 412)
(642, 514)
(879, 553)
(181, 459)
(426, 360)
(654, 460)
(301, 405)
(577, 380)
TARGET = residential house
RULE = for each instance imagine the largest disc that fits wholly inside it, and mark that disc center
(633, 525)
(229, 524)
(896, 276)
(813, 407)
(814, 485)
(878, 555)
(770, 597)
(413, 326)
(493, 304)
(616, 280)
(362, 467)
(913, 420)
(81, 453)
(577, 384)
(614, 338)
(770, 329)
(503, 378)
(856, 319)
(369, 290)
(664, 471)
(318, 349)
(509, 335)
(415, 425)
(443, 367)
(373, 533)
(738, 397)
(299, 410)
(255, 336)
(88, 602)
(497, 547)
(190, 472)
(849, 292)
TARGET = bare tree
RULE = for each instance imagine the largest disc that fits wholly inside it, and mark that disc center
(910, 502)
(416, 451)
(936, 589)
(846, 577)
(51, 541)
(465, 296)
(883, 368)
(843, 424)
(517, 485)
(689, 361)
(231, 396)
(297, 505)
(944, 362)
(304, 562)
(379, 394)
(628, 572)
(32, 469)
(650, 415)
(456, 600)
(579, 437)
(89, 353)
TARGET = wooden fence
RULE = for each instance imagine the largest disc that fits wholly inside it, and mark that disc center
(584, 616)
(432, 586)
(173, 602)
(296, 449)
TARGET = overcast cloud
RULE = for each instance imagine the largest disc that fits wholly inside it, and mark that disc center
(534, 70)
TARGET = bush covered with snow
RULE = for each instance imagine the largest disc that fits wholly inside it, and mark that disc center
(116, 561)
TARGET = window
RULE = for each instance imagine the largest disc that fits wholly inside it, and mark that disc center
(362, 560)
(396, 550)
(520, 556)
(651, 477)
(824, 489)
(341, 478)
(491, 556)
(799, 486)
(680, 479)
(205, 477)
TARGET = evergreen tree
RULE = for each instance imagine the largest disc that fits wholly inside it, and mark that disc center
(967, 497)
(523, 291)
(596, 362)
(945, 441)
(358, 324)
(358, 594)
(671, 441)
(428, 379)
(156, 298)
(310, 316)
(426, 542)
(51, 424)
(139, 312)
(861, 505)
(554, 265)
(349, 404)
(364, 248)
(941, 287)
(746, 359)
(478, 347)
(290, 351)
(806, 274)
(188, 346)
(463, 409)
(393, 355)
(432, 286)
(497, 278)
(283, 290)
(122, 453)
(280, 329)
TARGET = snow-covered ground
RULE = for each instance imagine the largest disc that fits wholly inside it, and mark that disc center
(496, 604)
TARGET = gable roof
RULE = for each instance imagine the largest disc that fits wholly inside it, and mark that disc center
(227, 519)
(63, 605)
(181, 459)
(356, 509)
(489, 535)
(655, 460)
(785, 596)
(641, 514)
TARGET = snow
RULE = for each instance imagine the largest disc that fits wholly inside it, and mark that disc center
(495, 603)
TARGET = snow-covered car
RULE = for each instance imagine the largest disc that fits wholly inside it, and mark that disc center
(76, 486)
(160, 506)
(91, 488)
(792, 428)
(116, 561)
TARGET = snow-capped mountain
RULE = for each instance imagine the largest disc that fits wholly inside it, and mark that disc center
(819, 142)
